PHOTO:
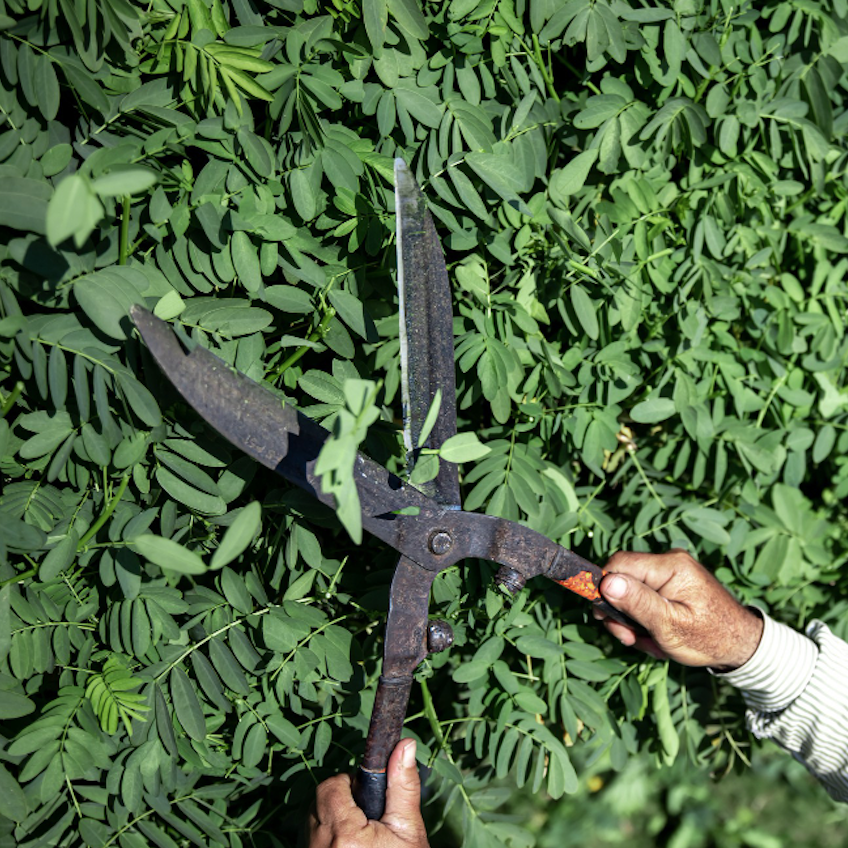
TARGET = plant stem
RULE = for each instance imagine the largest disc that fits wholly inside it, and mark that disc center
(104, 517)
(125, 231)
(10, 401)
(316, 335)
(645, 479)
(544, 69)
(430, 712)
(19, 577)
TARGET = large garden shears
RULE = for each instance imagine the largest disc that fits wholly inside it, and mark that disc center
(425, 524)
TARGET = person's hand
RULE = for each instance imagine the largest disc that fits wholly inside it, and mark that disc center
(336, 821)
(690, 616)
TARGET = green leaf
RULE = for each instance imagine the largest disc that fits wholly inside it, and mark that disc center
(569, 180)
(46, 87)
(13, 705)
(94, 833)
(653, 410)
(239, 535)
(235, 591)
(13, 802)
(125, 179)
(825, 440)
(375, 14)
(421, 104)
(284, 730)
(59, 558)
(599, 109)
(304, 196)
(662, 714)
(106, 298)
(186, 705)
(463, 447)
(289, 299)
(539, 647)
(431, 419)
(74, 210)
(246, 261)
(501, 175)
(86, 87)
(585, 309)
(255, 152)
(471, 671)
(189, 495)
(408, 14)
(169, 306)
(351, 311)
(254, 746)
(168, 554)
(25, 205)
(140, 399)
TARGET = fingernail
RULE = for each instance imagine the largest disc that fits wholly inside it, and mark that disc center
(615, 587)
(407, 758)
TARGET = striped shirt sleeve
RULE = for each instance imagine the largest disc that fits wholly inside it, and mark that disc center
(796, 690)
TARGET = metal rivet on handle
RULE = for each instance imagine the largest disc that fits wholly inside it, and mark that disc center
(441, 542)
(510, 580)
(439, 636)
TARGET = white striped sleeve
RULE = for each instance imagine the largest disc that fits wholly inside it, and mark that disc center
(796, 689)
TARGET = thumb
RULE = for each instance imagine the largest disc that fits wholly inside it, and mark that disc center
(403, 793)
(639, 601)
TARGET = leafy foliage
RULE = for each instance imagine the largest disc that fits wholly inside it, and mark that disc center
(644, 209)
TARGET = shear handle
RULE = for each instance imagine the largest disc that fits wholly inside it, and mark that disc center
(583, 578)
(405, 646)
(369, 783)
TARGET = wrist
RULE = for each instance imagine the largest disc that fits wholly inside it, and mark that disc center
(745, 639)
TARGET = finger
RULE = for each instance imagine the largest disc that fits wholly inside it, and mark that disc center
(649, 646)
(313, 829)
(641, 602)
(626, 635)
(654, 570)
(629, 639)
(334, 801)
(312, 822)
(403, 793)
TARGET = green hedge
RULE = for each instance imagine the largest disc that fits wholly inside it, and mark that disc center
(644, 212)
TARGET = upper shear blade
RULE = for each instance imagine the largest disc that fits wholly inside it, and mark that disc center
(426, 332)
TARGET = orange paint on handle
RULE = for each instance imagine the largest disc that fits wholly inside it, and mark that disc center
(582, 584)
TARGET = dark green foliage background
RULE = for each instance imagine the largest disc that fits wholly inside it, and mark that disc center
(644, 211)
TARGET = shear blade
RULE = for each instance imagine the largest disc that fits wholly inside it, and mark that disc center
(426, 332)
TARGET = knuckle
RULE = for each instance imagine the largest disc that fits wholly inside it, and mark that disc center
(346, 836)
(617, 559)
(331, 787)
(683, 560)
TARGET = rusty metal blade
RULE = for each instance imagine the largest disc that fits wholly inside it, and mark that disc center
(283, 439)
(426, 331)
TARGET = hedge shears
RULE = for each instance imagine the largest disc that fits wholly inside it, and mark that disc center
(426, 523)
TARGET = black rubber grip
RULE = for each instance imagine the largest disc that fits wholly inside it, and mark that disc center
(369, 792)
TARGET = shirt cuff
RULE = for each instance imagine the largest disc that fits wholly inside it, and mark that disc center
(778, 671)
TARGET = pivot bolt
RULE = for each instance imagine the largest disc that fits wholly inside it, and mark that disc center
(510, 580)
(441, 542)
(439, 636)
